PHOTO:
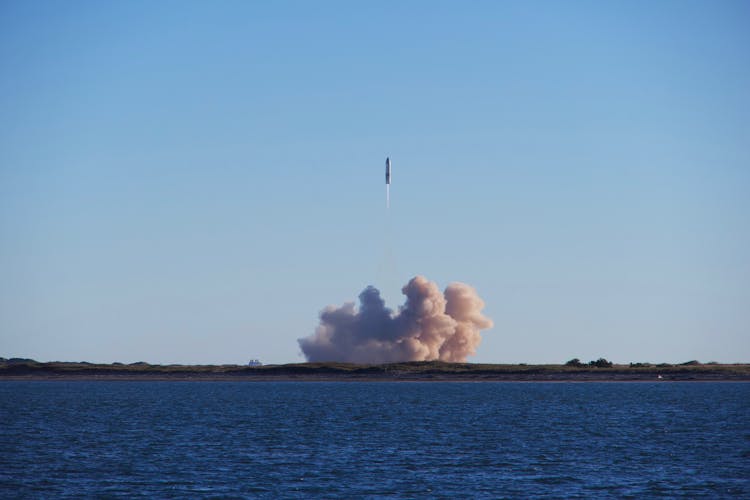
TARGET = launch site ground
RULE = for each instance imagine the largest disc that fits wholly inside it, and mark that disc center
(426, 371)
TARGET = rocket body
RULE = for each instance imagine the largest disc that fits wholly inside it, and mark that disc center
(388, 171)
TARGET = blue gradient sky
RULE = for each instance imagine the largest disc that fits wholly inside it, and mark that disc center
(193, 181)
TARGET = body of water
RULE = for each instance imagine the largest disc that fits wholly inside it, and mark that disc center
(346, 440)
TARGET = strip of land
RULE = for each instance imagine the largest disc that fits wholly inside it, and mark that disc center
(23, 369)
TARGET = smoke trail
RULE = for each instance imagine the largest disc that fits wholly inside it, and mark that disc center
(388, 196)
(430, 325)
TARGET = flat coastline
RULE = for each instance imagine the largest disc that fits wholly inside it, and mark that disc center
(430, 371)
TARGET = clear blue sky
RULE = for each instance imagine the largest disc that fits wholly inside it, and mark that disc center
(193, 181)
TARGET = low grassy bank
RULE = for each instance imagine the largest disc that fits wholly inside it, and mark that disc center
(428, 370)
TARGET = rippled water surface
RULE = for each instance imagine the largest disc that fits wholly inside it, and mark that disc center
(287, 439)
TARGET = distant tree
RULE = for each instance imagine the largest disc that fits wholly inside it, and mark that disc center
(601, 363)
(640, 365)
(574, 362)
(691, 363)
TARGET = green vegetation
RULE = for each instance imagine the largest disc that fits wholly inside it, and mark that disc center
(574, 369)
(599, 363)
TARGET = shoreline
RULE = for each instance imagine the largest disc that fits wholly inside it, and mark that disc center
(29, 370)
(85, 378)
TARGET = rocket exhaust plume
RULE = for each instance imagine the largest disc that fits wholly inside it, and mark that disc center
(430, 326)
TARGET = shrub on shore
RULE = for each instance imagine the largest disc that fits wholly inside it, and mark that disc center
(575, 362)
(599, 363)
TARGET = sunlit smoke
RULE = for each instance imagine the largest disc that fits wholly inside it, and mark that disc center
(430, 326)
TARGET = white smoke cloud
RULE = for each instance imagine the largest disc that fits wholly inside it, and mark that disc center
(430, 326)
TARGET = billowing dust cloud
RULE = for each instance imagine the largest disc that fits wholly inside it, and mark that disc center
(431, 325)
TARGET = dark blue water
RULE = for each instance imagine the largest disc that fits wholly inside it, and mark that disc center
(222, 439)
